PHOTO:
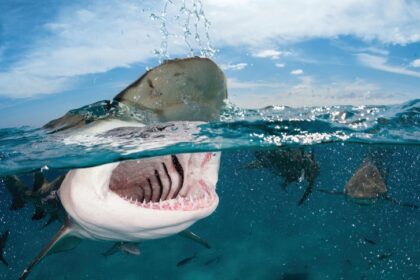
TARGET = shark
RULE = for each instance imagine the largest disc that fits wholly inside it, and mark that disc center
(292, 164)
(368, 184)
(42, 196)
(140, 199)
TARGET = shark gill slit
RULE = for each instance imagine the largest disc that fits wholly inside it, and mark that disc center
(153, 186)
(141, 197)
(180, 170)
(151, 190)
(159, 197)
(169, 180)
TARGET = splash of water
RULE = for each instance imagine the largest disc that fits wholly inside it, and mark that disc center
(191, 18)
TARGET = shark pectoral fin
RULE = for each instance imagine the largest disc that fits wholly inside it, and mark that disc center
(194, 237)
(62, 241)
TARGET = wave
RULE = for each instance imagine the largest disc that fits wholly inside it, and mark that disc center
(27, 149)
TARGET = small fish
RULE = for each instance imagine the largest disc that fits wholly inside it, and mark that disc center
(369, 241)
(130, 248)
(384, 256)
(186, 260)
(213, 260)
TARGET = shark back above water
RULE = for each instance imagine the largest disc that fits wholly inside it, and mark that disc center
(191, 89)
(135, 200)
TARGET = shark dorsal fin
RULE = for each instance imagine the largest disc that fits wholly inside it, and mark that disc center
(367, 182)
(63, 240)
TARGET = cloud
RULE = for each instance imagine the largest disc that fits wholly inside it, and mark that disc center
(296, 72)
(234, 67)
(415, 63)
(234, 84)
(80, 41)
(258, 23)
(308, 92)
(268, 53)
(97, 37)
(380, 63)
(280, 65)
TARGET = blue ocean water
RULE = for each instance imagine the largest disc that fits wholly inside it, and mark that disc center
(258, 231)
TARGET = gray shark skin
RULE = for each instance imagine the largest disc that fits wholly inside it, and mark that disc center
(292, 164)
(135, 200)
(367, 182)
(367, 185)
(191, 89)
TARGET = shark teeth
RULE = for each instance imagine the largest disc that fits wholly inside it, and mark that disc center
(202, 197)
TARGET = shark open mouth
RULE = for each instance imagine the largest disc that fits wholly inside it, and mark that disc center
(163, 183)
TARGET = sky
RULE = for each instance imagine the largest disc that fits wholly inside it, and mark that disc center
(58, 55)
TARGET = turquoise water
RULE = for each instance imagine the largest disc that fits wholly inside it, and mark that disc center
(258, 231)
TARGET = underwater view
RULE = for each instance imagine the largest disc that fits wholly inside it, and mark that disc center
(173, 169)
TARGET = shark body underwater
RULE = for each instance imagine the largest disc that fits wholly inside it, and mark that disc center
(135, 200)
(292, 164)
(368, 183)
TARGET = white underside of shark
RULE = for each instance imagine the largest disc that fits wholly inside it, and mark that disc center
(96, 212)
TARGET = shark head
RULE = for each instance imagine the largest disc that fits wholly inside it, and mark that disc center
(160, 196)
(151, 198)
(141, 199)
(148, 198)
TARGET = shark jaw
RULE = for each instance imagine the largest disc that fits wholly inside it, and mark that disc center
(142, 199)
(162, 184)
